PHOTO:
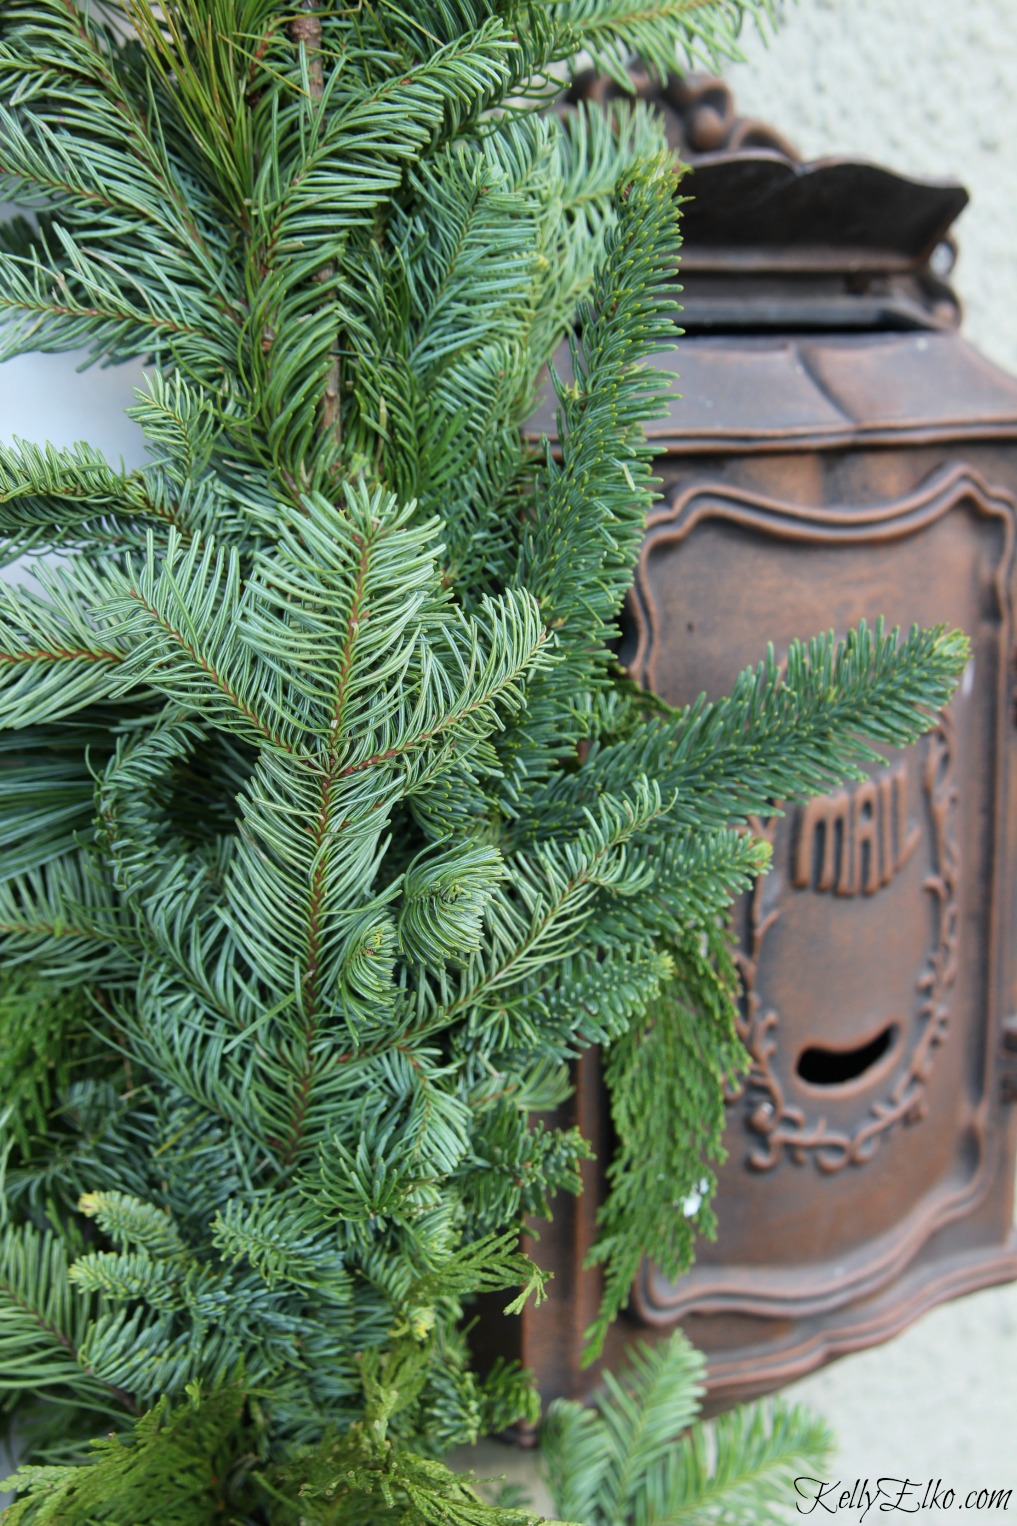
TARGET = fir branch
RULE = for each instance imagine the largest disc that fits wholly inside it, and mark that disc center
(799, 730)
(705, 31)
(59, 497)
(577, 551)
(635, 1457)
(179, 616)
(786, 732)
(66, 917)
(43, 1324)
(53, 659)
(744, 1463)
(579, 526)
(556, 893)
(94, 303)
(68, 68)
(306, 33)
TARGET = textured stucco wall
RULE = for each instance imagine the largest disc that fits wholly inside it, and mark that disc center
(926, 87)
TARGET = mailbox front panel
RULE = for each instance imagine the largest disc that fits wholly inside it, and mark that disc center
(874, 955)
(833, 450)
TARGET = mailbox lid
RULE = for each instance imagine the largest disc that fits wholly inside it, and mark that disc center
(752, 393)
(741, 393)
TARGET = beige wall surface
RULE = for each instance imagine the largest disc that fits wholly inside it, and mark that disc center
(926, 87)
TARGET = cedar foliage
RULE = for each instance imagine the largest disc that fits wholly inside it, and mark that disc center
(309, 895)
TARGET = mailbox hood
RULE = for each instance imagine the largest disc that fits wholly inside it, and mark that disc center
(764, 211)
(770, 242)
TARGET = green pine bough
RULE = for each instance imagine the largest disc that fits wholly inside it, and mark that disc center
(309, 896)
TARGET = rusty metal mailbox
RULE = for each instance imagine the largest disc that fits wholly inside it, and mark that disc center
(839, 452)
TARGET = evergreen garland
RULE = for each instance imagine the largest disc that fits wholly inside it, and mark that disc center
(309, 893)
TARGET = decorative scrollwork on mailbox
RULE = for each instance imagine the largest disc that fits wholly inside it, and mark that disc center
(853, 844)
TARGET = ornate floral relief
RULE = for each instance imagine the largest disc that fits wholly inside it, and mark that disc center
(779, 1124)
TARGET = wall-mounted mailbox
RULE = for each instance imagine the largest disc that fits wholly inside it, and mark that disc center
(839, 453)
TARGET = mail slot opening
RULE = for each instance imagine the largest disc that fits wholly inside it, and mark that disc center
(823, 1066)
